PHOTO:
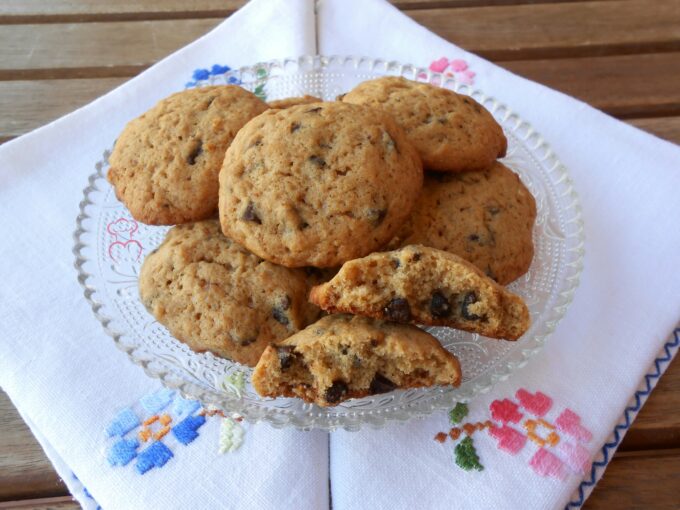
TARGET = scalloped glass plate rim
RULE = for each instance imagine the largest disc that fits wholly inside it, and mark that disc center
(377, 418)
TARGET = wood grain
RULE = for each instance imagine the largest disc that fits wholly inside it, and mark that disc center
(646, 480)
(27, 105)
(25, 471)
(624, 86)
(559, 29)
(499, 33)
(58, 503)
(55, 11)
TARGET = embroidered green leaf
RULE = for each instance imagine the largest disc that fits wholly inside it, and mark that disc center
(231, 435)
(235, 383)
(466, 455)
(458, 413)
(261, 74)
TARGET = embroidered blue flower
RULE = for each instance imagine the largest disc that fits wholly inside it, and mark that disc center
(201, 74)
(218, 69)
(152, 428)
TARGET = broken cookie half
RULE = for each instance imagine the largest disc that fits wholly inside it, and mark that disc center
(422, 285)
(342, 357)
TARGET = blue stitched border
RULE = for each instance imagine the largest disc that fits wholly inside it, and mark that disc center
(668, 346)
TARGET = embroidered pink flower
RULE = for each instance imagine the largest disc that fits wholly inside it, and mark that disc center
(557, 439)
(509, 439)
(455, 68)
(505, 411)
(546, 464)
(536, 403)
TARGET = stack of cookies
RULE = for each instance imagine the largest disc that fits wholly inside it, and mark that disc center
(385, 209)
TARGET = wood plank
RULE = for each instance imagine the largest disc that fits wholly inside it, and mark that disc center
(559, 29)
(58, 503)
(624, 86)
(94, 45)
(658, 424)
(30, 104)
(61, 11)
(499, 33)
(25, 471)
(642, 480)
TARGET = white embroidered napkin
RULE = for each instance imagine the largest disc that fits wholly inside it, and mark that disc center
(97, 414)
(530, 441)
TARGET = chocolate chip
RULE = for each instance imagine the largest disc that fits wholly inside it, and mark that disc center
(381, 384)
(442, 120)
(356, 362)
(374, 342)
(376, 216)
(286, 356)
(285, 302)
(473, 237)
(469, 299)
(396, 263)
(439, 305)
(314, 110)
(250, 215)
(246, 341)
(493, 210)
(294, 127)
(318, 161)
(398, 310)
(280, 316)
(197, 151)
(303, 225)
(336, 392)
(416, 257)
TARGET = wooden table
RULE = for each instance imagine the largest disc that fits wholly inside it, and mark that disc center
(622, 56)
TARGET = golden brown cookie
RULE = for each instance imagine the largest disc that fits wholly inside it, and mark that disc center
(421, 285)
(293, 101)
(452, 132)
(165, 164)
(485, 217)
(215, 296)
(318, 184)
(341, 357)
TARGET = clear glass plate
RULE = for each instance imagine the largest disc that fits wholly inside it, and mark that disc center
(110, 247)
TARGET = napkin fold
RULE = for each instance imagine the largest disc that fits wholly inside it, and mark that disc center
(530, 442)
(93, 411)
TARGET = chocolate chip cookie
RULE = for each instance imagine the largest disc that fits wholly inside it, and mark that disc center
(215, 296)
(341, 357)
(293, 101)
(485, 217)
(452, 132)
(318, 184)
(422, 285)
(165, 164)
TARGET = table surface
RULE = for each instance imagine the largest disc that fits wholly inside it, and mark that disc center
(621, 56)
